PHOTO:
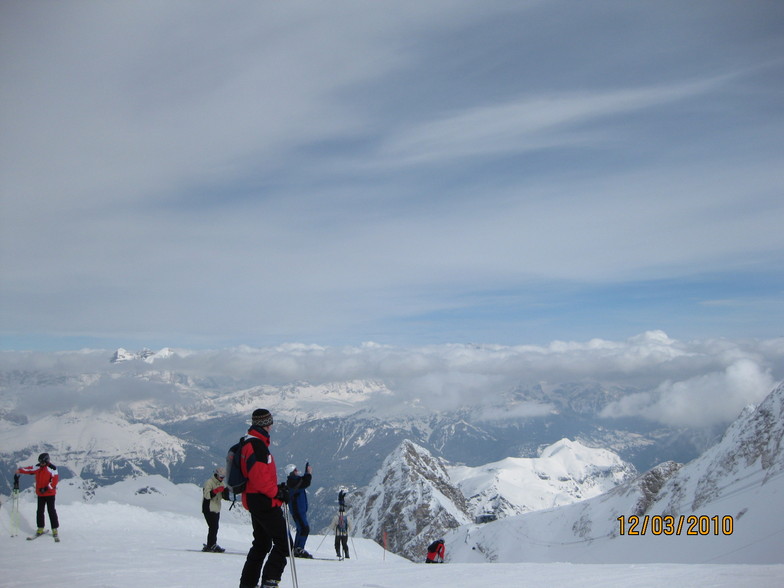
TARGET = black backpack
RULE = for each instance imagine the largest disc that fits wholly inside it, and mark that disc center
(235, 480)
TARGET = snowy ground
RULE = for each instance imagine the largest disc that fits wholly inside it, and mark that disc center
(123, 539)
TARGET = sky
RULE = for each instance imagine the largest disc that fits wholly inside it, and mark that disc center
(199, 174)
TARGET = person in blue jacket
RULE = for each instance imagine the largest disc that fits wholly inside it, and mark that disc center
(298, 503)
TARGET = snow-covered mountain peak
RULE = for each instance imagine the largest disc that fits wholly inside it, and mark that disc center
(304, 401)
(123, 355)
(565, 472)
(574, 455)
(412, 496)
(146, 355)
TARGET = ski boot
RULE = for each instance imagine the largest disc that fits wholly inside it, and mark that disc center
(270, 584)
(56, 536)
(299, 552)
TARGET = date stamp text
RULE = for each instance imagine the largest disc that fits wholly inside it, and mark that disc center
(676, 525)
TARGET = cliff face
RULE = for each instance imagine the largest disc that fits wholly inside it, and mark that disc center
(411, 501)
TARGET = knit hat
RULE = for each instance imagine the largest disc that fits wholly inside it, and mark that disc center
(262, 417)
(290, 468)
(220, 472)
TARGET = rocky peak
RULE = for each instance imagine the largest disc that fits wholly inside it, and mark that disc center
(411, 501)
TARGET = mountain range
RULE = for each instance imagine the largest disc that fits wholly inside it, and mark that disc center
(415, 497)
(138, 413)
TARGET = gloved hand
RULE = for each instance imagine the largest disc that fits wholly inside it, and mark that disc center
(218, 490)
(283, 493)
(42, 490)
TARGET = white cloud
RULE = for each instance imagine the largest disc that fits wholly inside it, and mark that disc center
(705, 400)
(674, 382)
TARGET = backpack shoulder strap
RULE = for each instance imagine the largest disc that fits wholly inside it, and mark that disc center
(260, 452)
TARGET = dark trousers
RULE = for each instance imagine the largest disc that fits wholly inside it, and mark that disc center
(213, 521)
(341, 540)
(303, 528)
(48, 503)
(270, 536)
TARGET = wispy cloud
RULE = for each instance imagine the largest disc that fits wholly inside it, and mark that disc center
(528, 123)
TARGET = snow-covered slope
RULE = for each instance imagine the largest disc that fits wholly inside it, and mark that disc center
(565, 472)
(725, 506)
(147, 532)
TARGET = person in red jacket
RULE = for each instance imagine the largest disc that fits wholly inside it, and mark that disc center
(263, 497)
(46, 478)
(436, 552)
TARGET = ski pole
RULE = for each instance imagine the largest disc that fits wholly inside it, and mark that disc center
(288, 539)
(322, 541)
(15, 507)
(354, 547)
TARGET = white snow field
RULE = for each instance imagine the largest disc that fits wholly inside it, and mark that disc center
(147, 532)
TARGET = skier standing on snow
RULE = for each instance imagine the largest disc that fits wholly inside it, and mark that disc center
(263, 497)
(299, 506)
(212, 494)
(340, 522)
(46, 479)
(436, 552)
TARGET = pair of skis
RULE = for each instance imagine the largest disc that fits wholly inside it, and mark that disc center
(37, 535)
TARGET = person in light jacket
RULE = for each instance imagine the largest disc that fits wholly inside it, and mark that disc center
(212, 494)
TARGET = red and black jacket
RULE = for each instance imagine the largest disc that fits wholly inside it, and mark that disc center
(258, 466)
(46, 478)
